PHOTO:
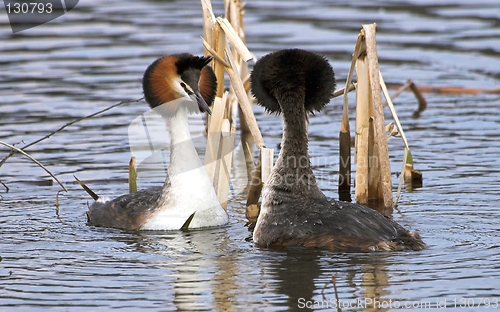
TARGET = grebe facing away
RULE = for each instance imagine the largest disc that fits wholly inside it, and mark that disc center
(294, 211)
(173, 86)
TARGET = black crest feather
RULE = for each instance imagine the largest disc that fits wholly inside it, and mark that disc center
(188, 61)
(293, 72)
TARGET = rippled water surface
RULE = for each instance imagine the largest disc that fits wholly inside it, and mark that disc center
(95, 56)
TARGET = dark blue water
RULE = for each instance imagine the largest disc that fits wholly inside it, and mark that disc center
(95, 56)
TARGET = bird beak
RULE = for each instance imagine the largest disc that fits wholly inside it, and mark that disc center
(202, 104)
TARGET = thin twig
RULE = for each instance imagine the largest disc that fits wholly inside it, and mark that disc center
(7, 189)
(35, 161)
(12, 152)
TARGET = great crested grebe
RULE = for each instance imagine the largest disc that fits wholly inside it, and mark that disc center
(294, 211)
(174, 86)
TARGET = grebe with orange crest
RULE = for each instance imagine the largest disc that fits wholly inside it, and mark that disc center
(174, 86)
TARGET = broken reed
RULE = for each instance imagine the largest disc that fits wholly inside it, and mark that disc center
(223, 41)
(373, 177)
(132, 176)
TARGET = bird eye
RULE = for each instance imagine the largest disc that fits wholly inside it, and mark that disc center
(185, 87)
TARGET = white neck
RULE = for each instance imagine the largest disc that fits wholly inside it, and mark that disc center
(183, 155)
(188, 189)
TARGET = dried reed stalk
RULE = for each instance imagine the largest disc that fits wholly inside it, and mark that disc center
(208, 21)
(231, 68)
(267, 163)
(213, 135)
(362, 134)
(256, 184)
(234, 63)
(132, 176)
(57, 205)
(235, 40)
(234, 13)
(244, 102)
(379, 127)
(229, 55)
(214, 140)
(246, 109)
(228, 131)
(409, 173)
(215, 144)
(344, 187)
(373, 181)
(260, 176)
